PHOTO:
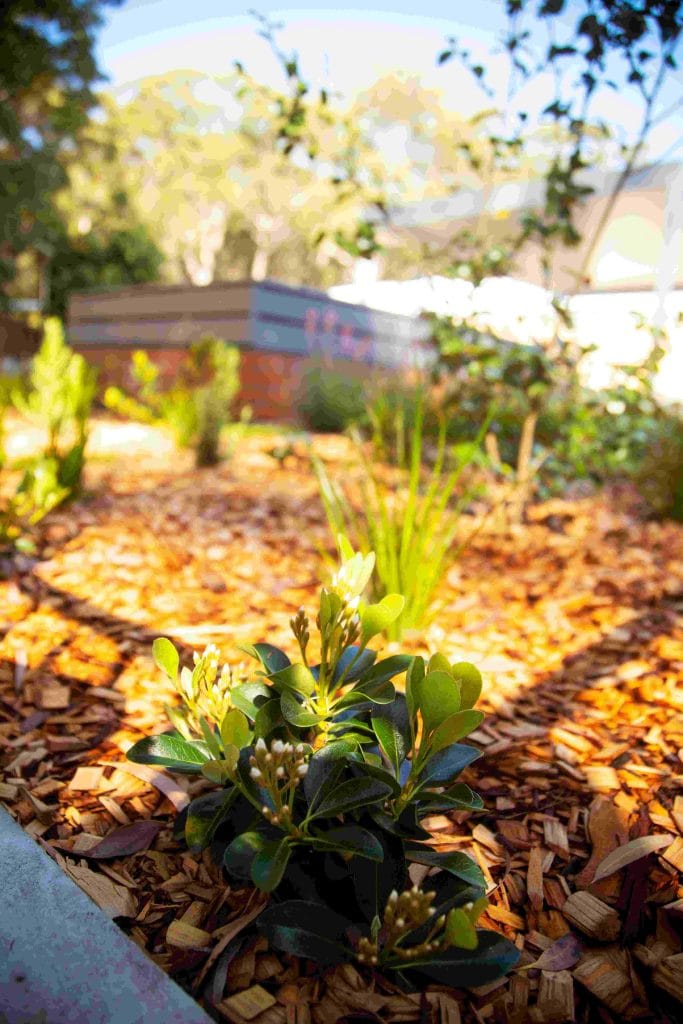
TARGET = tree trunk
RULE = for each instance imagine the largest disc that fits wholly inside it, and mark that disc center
(259, 264)
(524, 474)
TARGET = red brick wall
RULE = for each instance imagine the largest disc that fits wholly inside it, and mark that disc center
(270, 381)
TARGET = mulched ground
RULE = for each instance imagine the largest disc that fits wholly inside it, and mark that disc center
(576, 621)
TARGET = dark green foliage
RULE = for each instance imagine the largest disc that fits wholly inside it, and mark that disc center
(621, 432)
(330, 400)
(125, 257)
(47, 69)
(660, 474)
(325, 774)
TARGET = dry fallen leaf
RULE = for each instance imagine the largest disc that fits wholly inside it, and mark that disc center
(629, 853)
(563, 953)
(122, 842)
(160, 780)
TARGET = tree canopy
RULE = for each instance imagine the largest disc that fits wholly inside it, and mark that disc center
(47, 73)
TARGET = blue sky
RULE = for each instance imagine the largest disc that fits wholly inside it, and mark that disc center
(345, 50)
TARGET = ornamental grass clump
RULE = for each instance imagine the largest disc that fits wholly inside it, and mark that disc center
(410, 518)
(324, 768)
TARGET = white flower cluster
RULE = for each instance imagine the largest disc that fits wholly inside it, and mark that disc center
(278, 770)
(281, 760)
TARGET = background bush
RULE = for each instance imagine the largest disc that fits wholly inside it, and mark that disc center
(196, 405)
(330, 400)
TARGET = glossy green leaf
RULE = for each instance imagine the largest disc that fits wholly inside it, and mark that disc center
(438, 663)
(375, 618)
(239, 855)
(462, 723)
(330, 606)
(166, 657)
(296, 678)
(325, 769)
(441, 769)
(414, 677)
(235, 728)
(295, 714)
(352, 664)
(392, 729)
(459, 930)
(270, 863)
(384, 670)
(458, 798)
(308, 930)
(376, 769)
(381, 693)
(350, 839)
(455, 863)
(351, 794)
(492, 959)
(245, 696)
(204, 815)
(470, 681)
(271, 658)
(211, 739)
(222, 770)
(268, 719)
(169, 750)
(437, 695)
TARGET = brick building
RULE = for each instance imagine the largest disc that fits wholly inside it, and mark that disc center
(281, 332)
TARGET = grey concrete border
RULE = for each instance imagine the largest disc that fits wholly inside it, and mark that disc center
(62, 961)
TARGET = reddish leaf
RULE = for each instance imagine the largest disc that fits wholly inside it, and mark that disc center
(122, 842)
(562, 955)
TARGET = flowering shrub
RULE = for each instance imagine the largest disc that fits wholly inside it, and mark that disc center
(324, 772)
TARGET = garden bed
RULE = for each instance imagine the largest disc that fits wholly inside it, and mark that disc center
(576, 621)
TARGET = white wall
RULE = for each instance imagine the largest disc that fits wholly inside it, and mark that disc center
(522, 312)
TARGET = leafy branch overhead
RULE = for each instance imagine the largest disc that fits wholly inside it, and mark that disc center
(584, 49)
(324, 770)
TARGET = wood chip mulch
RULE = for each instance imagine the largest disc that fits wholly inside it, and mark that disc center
(576, 620)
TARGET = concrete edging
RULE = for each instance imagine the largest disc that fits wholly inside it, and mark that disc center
(62, 961)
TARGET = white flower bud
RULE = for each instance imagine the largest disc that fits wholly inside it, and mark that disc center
(400, 922)
(302, 770)
(260, 744)
(256, 774)
(280, 773)
(393, 896)
(277, 746)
